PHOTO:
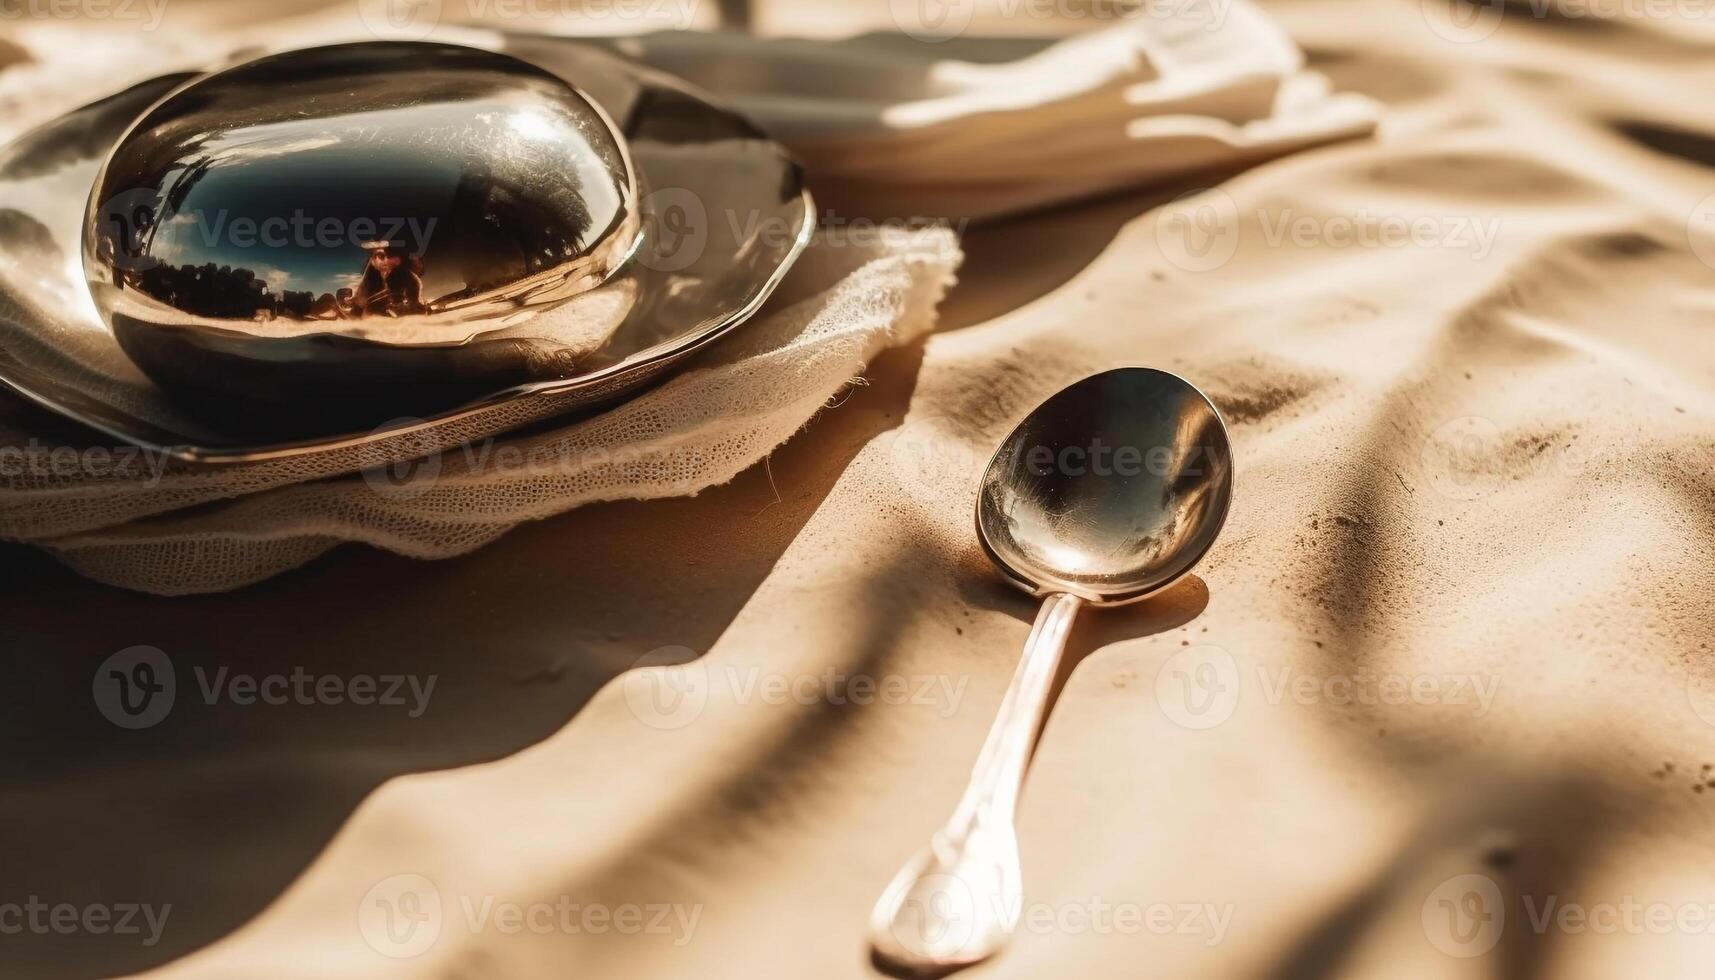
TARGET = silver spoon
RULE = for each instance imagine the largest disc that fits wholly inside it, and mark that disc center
(1108, 492)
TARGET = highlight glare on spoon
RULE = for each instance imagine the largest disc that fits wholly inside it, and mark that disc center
(1108, 492)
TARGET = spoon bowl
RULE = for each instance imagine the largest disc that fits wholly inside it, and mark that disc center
(1108, 492)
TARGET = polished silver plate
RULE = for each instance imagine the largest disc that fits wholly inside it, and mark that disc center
(723, 210)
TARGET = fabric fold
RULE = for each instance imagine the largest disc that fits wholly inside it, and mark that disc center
(898, 136)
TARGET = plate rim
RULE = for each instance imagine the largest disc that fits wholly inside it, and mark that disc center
(666, 351)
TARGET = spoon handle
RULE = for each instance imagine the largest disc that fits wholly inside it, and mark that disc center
(956, 901)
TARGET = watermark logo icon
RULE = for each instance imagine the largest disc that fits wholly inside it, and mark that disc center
(937, 916)
(1463, 21)
(1464, 916)
(415, 466)
(1701, 696)
(667, 688)
(1461, 455)
(1199, 231)
(135, 688)
(401, 916)
(677, 229)
(928, 456)
(1198, 687)
(1700, 231)
(407, 20)
(932, 20)
(125, 224)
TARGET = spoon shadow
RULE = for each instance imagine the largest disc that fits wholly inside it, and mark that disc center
(1097, 629)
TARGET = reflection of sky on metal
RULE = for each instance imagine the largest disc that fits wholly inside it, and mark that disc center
(254, 143)
(260, 202)
(1131, 475)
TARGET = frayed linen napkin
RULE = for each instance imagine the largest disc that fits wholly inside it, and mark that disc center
(889, 126)
(974, 129)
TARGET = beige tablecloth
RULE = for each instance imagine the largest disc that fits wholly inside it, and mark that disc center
(887, 125)
(1440, 703)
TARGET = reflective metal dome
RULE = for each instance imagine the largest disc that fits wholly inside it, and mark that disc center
(345, 223)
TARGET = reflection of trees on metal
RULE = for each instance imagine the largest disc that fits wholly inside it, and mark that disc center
(213, 291)
(177, 191)
(390, 285)
(357, 182)
(492, 237)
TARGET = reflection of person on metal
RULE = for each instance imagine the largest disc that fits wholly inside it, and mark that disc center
(392, 282)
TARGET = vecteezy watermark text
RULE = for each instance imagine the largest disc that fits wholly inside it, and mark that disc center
(679, 228)
(404, 916)
(33, 458)
(1201, 687)
(1466, 915)
(1202, 231)
(302, 230)
(669, 687)
(943, 910)
(190, 235)
(147, 13)
(928, 455)
(1104, 460)
(138, 230)
(942, 20)
(418, 471)
(1468, 21)
(417, 19)
(300, 687)
(138, 686)
(1365, 228)
(37, 916)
